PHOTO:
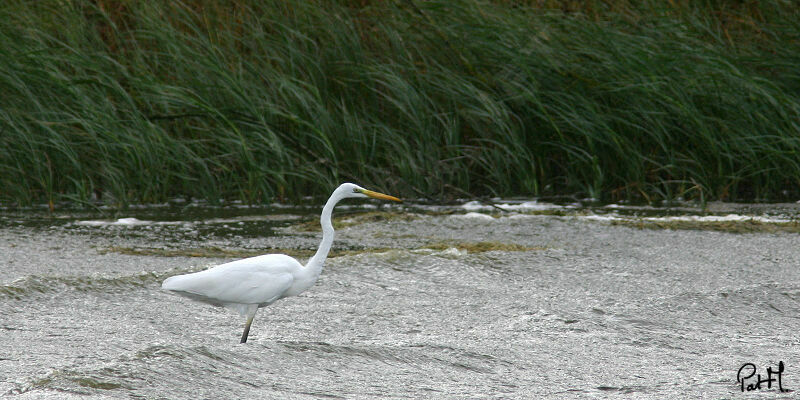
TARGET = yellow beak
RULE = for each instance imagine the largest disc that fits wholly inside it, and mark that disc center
(381, 196)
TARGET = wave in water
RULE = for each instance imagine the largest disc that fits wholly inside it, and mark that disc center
(33, 285)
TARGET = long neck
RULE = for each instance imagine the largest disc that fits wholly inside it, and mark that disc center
(315, 263)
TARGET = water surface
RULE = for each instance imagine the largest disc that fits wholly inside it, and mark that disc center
(410, 308)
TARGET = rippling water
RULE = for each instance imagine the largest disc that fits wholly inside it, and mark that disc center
(410, 308)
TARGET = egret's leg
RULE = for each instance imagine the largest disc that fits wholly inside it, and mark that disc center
(246, 330)
(251, 313)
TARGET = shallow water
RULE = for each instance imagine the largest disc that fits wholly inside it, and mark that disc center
(590, 309)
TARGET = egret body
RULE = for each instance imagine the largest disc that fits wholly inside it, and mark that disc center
(251, 283)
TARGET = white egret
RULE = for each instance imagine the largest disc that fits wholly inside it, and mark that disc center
(251, 283)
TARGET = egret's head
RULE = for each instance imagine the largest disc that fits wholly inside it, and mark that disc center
(353, 190)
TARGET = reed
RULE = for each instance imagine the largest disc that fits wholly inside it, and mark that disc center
(256, 101)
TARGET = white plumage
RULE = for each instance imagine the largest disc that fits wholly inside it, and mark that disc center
(257, 280)
(248, 284)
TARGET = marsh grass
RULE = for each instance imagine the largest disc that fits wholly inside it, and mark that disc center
(255, 101)
(216, 252)
(481, 247)
(749, 226)
(203, 252)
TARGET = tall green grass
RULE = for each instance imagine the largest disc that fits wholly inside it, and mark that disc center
(258, 100)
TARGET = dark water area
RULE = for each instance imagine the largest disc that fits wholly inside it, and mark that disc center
(515, 300)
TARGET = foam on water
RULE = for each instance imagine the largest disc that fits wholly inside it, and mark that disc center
(118, 222)
(523, 206)
(695, 218)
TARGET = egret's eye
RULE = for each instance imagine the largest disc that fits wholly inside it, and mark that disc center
(356, 191)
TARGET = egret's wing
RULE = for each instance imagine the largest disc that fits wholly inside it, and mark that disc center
(257, 280)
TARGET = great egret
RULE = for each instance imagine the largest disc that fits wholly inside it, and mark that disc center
(251, 283)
